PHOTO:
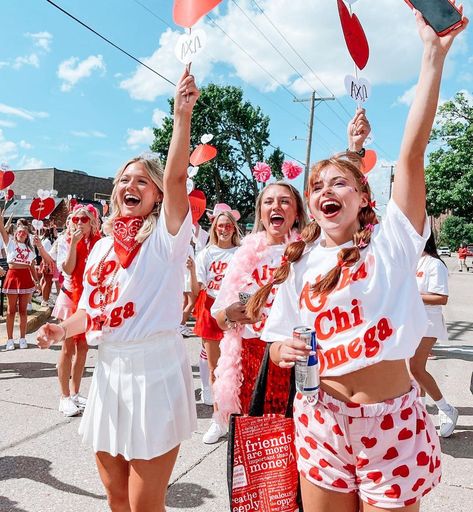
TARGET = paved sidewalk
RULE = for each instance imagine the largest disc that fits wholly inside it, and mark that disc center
(45, 468)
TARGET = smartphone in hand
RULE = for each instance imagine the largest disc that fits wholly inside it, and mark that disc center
(244, 297)
(441, 15)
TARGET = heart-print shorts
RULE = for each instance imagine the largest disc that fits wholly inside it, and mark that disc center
(389, 452)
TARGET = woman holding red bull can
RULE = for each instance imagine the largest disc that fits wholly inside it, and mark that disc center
(368, 437)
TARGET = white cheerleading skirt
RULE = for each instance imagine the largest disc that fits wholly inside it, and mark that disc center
(141, 402)
(436, 324)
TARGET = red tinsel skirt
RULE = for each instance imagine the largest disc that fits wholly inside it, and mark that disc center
(279, 379)
(205, 325)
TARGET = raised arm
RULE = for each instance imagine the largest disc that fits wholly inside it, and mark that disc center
(3, 231)
(409, 182)
(176, 202)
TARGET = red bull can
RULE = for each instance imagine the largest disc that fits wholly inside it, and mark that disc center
(307, 370)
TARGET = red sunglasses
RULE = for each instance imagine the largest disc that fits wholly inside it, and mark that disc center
(76, 220)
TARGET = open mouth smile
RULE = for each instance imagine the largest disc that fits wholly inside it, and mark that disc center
(276, 220)
(131, 200)
(330, 208)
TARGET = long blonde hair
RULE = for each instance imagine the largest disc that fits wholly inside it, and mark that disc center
(301, 219)
(236, 237)
(88, 212)
(155, 171)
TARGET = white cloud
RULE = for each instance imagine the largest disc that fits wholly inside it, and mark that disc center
(90, 133)
(41, 40)
(7, 124)
(21, 112)
(24, 145)
(8, 149)
(28, 60)
(137, 138)
(29, 162)
(158, 117)
(72, 70)
(408, 97)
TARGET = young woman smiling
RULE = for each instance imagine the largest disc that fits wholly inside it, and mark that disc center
(141, 402)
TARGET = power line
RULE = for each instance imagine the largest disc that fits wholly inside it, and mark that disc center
(287, 154)
(110, 42)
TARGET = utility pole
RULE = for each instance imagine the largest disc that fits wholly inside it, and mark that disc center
(391, 177)
(312, 101)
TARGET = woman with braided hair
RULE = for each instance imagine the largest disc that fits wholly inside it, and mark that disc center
(367, 437)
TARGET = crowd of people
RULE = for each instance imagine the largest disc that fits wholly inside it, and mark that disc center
(372, 291)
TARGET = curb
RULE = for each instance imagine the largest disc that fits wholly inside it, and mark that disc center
(37, 319)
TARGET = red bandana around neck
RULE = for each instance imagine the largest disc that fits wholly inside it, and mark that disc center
(124, 243)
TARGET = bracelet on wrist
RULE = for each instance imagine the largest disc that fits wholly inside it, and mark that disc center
(229, 323)
(361, 152)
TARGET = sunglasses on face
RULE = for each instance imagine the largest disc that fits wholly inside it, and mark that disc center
(84, 220)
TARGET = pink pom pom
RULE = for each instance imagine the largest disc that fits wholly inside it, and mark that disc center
(262, 172)
(291, 170)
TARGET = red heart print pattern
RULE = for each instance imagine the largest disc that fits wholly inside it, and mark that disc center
(324, 463)
(349, 449)
(333, 407)
(404, 434)
(304, 453)
(314, 473)
(402, 471)
(420, 425)
(431, 465)
(299, 396)
(369, 442)
(410, 502)
(405, 413)
(311, 442)
(318, 417)
(419, 483)
(422, 459)
(304, 420)
(393, 492)
(375, 476)
(371, 501)
(361, 462)
(340, 483)
(351, 468)
(392, 453)
(337, 430)
(437, 462)
(387, 423)
(330, 448)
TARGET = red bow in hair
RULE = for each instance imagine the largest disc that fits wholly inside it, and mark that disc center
(372, 204)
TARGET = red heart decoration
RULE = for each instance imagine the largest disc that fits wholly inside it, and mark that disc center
(203, 153)
(402, 471)
(198, 203)
(387, 423)
(304, 453)
(340, 483)
(422, 459)
(41, 208)
(392, 453)
(369, 442)
(369, 160)
(188, 12)
(404, 434)
(375, 476)
(9, 195)
(393, 492)
(354, 34)
(6, 179)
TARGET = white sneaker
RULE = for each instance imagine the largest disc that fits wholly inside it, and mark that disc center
(207, 396)
(51, 303)
(79, 400)
(214, 433)
(68, 407)
(44, 304)
(23, 343)
(448, 421)
(29, 307)
(10, 345)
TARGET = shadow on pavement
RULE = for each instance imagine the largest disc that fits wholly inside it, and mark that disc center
(34, 468)
(463, 352)
(462, 411)
(187, 495)
(459, 445)
(7, 505)
(457, 330)
(37, 370)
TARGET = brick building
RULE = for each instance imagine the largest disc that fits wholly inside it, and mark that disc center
(78, 183)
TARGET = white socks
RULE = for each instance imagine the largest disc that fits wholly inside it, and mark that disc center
(443, 405)
(204, 370)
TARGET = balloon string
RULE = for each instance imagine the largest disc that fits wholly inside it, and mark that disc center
(354, 63)
(188, 67)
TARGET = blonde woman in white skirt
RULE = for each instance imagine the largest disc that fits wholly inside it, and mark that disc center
(141, 402)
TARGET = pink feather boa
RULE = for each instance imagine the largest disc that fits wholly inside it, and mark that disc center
(226, 389)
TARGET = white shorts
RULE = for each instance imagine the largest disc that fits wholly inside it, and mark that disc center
(436, 325)
(187, 282)
(63, 308)
(141, 402)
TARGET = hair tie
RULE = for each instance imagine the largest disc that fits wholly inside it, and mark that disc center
(284, 260)
(341, 263)
(364, 180)
(369, 227)
(372, 204)
(362, 244)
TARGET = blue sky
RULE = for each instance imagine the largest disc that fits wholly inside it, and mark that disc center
(71, 101)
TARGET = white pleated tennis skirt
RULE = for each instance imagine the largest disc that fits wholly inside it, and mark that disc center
(141, 402)
(436, 327)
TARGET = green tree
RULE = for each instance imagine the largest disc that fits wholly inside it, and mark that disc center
(449, 175)
(454, 231)
(241, 136)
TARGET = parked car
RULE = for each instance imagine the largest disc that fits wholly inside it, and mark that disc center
(444, 251)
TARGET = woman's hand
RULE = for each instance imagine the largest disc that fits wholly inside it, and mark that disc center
(49, 334)
(290, 350)
(358, 130)
(190, 264)
(187, 94)
(431, 39)
(236, 312)
(77, 235)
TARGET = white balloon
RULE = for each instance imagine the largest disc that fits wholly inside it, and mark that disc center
(43, 194)
(351, 2)
(189, 185)
(206, 138)
(53, 193)
(2, 194)
(192, 171)
(37, 224)
(69, 197)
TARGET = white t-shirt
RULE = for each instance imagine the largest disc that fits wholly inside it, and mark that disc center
(260, 276)
(62, 250)
(432, 277)
(374, 314)
(19, 253)
(147, 296)
(47, 244)
(210, 265)
(200, 239)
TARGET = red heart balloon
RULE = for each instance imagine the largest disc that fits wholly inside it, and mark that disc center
(41, 208)
(355, 37)
(188, 12)
(203, 153)
(369, 161)
(198, 203)
(9, 195)
(6, 179)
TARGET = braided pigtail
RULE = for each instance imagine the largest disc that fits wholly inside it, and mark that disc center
(292, 254)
